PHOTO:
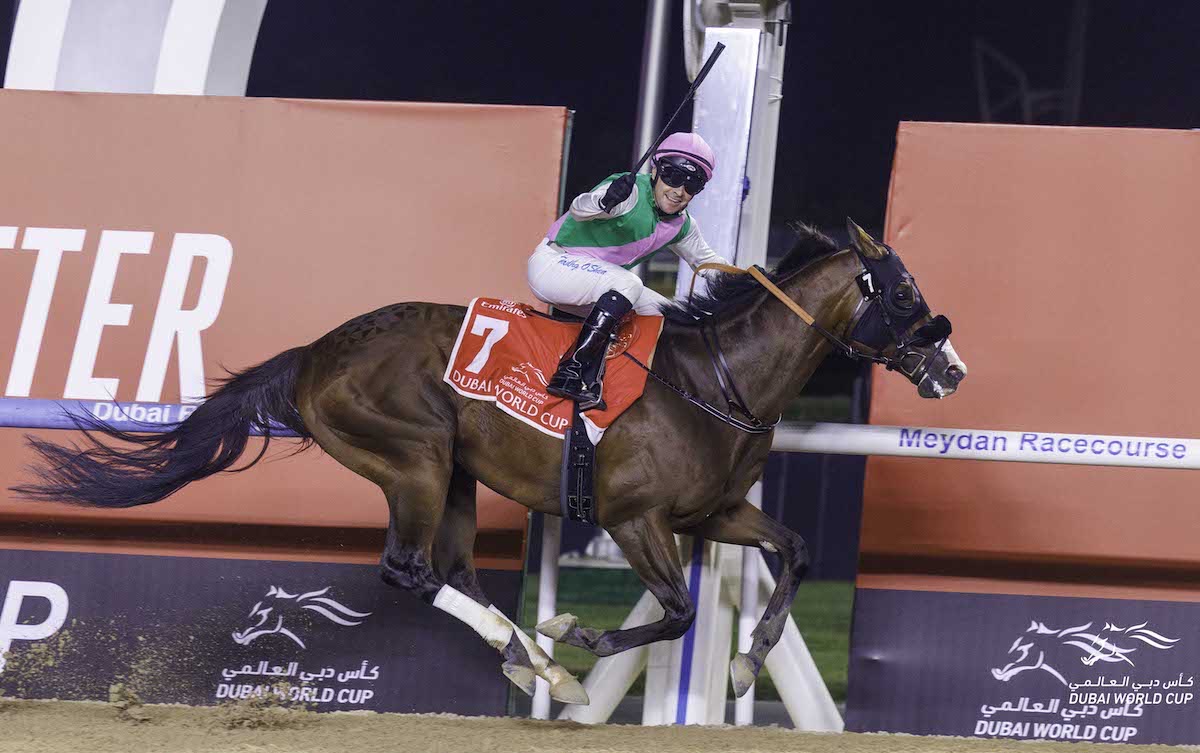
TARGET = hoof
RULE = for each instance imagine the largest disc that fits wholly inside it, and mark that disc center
(569, 691)
(741, 674)
(522, 677)
(557, 627)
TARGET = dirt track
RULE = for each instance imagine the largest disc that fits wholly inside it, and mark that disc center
(62, 727)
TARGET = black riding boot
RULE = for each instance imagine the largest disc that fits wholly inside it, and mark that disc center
(581, 370)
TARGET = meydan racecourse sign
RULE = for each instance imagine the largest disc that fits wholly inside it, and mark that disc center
(979, 444)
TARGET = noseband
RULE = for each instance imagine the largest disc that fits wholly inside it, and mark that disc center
(925, 331)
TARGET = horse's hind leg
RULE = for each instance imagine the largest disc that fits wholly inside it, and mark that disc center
(746, 525)
(453, 560)
(408, 562)
(412, 465)
(649, 545)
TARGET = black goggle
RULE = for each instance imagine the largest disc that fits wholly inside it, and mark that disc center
(675, 177)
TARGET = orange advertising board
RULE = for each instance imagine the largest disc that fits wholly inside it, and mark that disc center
(147, 243)
(1064, 257)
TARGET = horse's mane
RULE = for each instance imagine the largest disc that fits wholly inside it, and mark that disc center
(729, 293)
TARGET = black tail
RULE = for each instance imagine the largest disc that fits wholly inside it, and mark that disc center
(210, 441)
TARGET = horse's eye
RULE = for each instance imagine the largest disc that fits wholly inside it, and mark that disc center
(903, 296)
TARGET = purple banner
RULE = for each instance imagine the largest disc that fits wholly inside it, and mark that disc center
(1025, 667)
(204, 631)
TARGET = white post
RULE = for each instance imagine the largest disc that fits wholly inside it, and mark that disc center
(547, 604)
(721, 114)
(748, 616)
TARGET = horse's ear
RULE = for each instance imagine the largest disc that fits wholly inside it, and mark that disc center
(863, 242)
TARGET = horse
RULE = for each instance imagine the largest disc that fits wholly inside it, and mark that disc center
(370, 393)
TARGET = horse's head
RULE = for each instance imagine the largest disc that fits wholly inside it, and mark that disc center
(893, 322)
(1025, 654)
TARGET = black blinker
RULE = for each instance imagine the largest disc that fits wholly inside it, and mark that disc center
(935, 331)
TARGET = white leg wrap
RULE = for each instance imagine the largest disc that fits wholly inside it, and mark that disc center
(537, 657)
(495, 631)
(541, 661)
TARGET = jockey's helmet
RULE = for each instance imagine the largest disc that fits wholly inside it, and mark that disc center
(687, 151)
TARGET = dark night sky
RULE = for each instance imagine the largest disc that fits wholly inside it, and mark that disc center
(855, 68)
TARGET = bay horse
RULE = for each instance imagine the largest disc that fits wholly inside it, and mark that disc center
(370, 393)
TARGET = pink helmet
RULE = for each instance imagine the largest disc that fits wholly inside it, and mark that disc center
(692, 148)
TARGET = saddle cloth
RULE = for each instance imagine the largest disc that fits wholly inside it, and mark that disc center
(506, 352)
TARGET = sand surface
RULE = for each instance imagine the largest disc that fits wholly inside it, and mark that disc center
(76, 727)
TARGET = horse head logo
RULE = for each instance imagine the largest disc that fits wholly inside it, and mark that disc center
(270, 614)
(1111, 644)
(530, 372)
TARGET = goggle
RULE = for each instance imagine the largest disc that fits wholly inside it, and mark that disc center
(675, 176)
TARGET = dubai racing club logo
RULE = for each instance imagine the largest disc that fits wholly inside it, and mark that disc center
(1046, 649)
(279, 607)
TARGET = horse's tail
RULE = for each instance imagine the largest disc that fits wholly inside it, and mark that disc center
(209, 441)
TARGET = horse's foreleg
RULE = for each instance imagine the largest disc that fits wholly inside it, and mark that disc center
(746, 525)
(453, 557)
(649, 545)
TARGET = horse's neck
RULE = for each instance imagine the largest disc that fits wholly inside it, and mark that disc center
(771, 352)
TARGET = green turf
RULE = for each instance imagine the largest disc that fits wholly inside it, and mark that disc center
(602, 598)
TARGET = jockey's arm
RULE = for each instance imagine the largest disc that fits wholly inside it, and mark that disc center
(694, 250)
(586, 206)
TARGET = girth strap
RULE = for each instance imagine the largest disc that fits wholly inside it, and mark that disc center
(577, 486)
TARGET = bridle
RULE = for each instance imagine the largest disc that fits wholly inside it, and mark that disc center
(926, 330)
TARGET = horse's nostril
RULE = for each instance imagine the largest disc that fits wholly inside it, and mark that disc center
(954, 374)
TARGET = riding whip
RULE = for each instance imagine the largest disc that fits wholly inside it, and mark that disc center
(708, 64)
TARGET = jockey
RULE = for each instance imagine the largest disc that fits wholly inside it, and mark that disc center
(583, 265)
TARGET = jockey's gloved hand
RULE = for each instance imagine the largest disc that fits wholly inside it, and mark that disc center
(618, 191)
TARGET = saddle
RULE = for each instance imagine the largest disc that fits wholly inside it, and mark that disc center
(505, 352)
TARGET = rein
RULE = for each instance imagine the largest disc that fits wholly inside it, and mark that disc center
(736, 403)
(755, 426)
(892, 364)
(758, 274)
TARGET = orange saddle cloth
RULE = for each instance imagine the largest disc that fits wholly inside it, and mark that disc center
(506, 353)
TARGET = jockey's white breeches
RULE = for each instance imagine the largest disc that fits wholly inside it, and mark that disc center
(574, 282)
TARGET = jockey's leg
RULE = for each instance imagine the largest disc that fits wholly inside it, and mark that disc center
(746, 525)
(649, 545)
(606, 292)
(574, 282)
(649, 302)
(581, 371)
(453, 560)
